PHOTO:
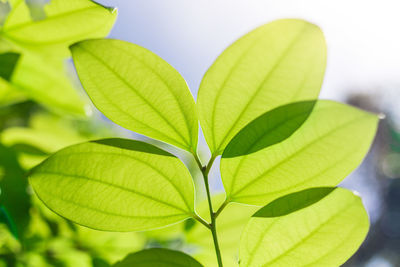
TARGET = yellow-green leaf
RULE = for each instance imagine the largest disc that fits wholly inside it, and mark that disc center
(325, 233)
(115, 185)
(47, 83)
(329, 145)
(64, 23)
(278, 63)
(159, 257)
(137, 90)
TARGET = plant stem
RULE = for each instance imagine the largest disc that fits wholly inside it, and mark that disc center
(212, 226)
(200, 220)
(226, 202)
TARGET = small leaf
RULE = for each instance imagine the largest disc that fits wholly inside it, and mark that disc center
(44, 82)
(115, 185)
(278, 63)
(9, 94)
(325, 233)
(137, 90)
(159, 257)
(8, 62)
(322, 152)
(14, 195)
(64, 23)
(7, 220)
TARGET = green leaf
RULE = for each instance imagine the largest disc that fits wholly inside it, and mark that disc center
(278, 63)
(159, 257)
(269, 129)
(137, 90)
(115, 185)
(293, 202)
(8, 62)
(322, 152)
(7, 220)
(325, 233)
(14, 194)
(34, 145)
(44, 82)
(65, 23)
(9, 94)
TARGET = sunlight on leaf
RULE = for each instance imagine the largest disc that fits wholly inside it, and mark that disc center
(64, 23)
(293, 202)
(159, 257)
(270, 128)
(115, 185)
(45, 82)
(322, 152)
(137, 90)
(9, 94)
(278, 63)
(325, 233)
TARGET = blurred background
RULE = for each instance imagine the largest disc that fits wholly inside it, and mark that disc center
(363, 70)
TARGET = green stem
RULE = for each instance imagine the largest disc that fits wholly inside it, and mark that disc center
(200, 220)
(226, 202)
(212, 226)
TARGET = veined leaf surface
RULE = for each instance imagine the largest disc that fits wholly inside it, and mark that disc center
(137, 90)
(115, 185)
(278, 63)
(325, 233)
(159, 257)
(322, 152)
(64, 23)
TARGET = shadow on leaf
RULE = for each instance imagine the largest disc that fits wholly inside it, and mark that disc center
(270, 128)
(293, 202)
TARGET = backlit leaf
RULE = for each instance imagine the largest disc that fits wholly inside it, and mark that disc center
(63, 23)
(9, 94)
(137, 90)
(269, 129)
(159, 257)
(278, 63)
(47, 83)
(293, 202)
(115, 185)
(322, 152)
(325, 233)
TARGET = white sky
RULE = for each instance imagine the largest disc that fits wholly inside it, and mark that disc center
(363, 36)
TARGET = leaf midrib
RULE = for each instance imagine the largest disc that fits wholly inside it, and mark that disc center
(48, 18)
(319, 173)
(257, 91)
(188, 125)
(312, 233)
(168, 179)
(69, 201)
(141, 97)
(272, 130)
(305, 146)
(91, 179)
